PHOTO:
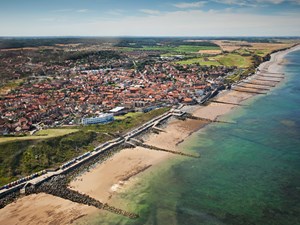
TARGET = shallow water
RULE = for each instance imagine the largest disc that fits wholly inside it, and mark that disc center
(248, 173)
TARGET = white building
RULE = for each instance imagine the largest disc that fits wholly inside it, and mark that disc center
(118, 111)
(102, 118)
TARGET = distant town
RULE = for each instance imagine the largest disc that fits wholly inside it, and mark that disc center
(71, 84)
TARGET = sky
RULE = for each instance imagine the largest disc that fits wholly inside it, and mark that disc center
(149, 18)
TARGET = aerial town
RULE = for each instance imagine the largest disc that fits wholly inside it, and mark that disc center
(88, 86)
(150, 112)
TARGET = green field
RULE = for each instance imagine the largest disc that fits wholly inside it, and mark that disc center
(234, 60)
(128, 115)
(42, 134)
(201, 61)
(262, 52)
(174, 49)
(225, 60)
(10, 86)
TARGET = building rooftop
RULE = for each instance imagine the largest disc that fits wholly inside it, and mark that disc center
(117, 109)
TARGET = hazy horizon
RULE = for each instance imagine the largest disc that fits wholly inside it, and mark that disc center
(199, 37)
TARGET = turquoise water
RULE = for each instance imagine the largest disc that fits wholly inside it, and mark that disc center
(248, 173)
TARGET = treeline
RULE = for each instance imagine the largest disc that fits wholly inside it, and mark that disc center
(150, 42)
(19, 42)
(97, 54)
(6, 43)
(33, 42)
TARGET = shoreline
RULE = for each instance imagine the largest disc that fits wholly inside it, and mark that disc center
(106, 180)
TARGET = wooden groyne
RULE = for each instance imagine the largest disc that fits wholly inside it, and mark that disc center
(170, 151)
(258, 88)
(134, 173)
(155, 128)
(268, 80)
(227, 103)
(271, 76)
(151, 147)
(267, 72)
(260, 84)
(249, 91)
(190, 116)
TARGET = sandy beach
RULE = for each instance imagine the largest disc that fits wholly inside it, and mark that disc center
(106, 179)
(132, 161)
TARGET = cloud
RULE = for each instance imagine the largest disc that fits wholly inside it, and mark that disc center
(185, 22)
(187, 5)
(192, 23)
(70, 10)
(149, 11)
(255, 3)
(237, 2)
(115, 12)
(62, 10)
(82, 10)
(271, 1)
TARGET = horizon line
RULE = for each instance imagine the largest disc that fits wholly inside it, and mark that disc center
(146, 36)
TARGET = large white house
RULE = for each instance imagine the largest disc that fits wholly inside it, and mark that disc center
(102, 118)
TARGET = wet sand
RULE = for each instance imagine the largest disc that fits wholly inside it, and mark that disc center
(113, 175)
(42, 209)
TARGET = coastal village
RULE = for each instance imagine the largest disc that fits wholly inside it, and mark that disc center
(71, 93)
(83, 91)
(178, 112)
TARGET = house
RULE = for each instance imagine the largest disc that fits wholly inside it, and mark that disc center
(118, 111)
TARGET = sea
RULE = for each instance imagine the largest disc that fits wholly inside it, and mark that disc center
(248, 173)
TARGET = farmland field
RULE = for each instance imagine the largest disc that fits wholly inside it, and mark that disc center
(225, 60)
(201, 61)
(234, 60)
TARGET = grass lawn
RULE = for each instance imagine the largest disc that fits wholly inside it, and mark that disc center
(131, 114)
(234, 60)
(262, 52)
(225, 60)
(42, 134)
(190, 48)
(181, 48)
(201, 61)
(10, 86)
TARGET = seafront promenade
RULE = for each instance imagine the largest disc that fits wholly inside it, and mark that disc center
(74, 163)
